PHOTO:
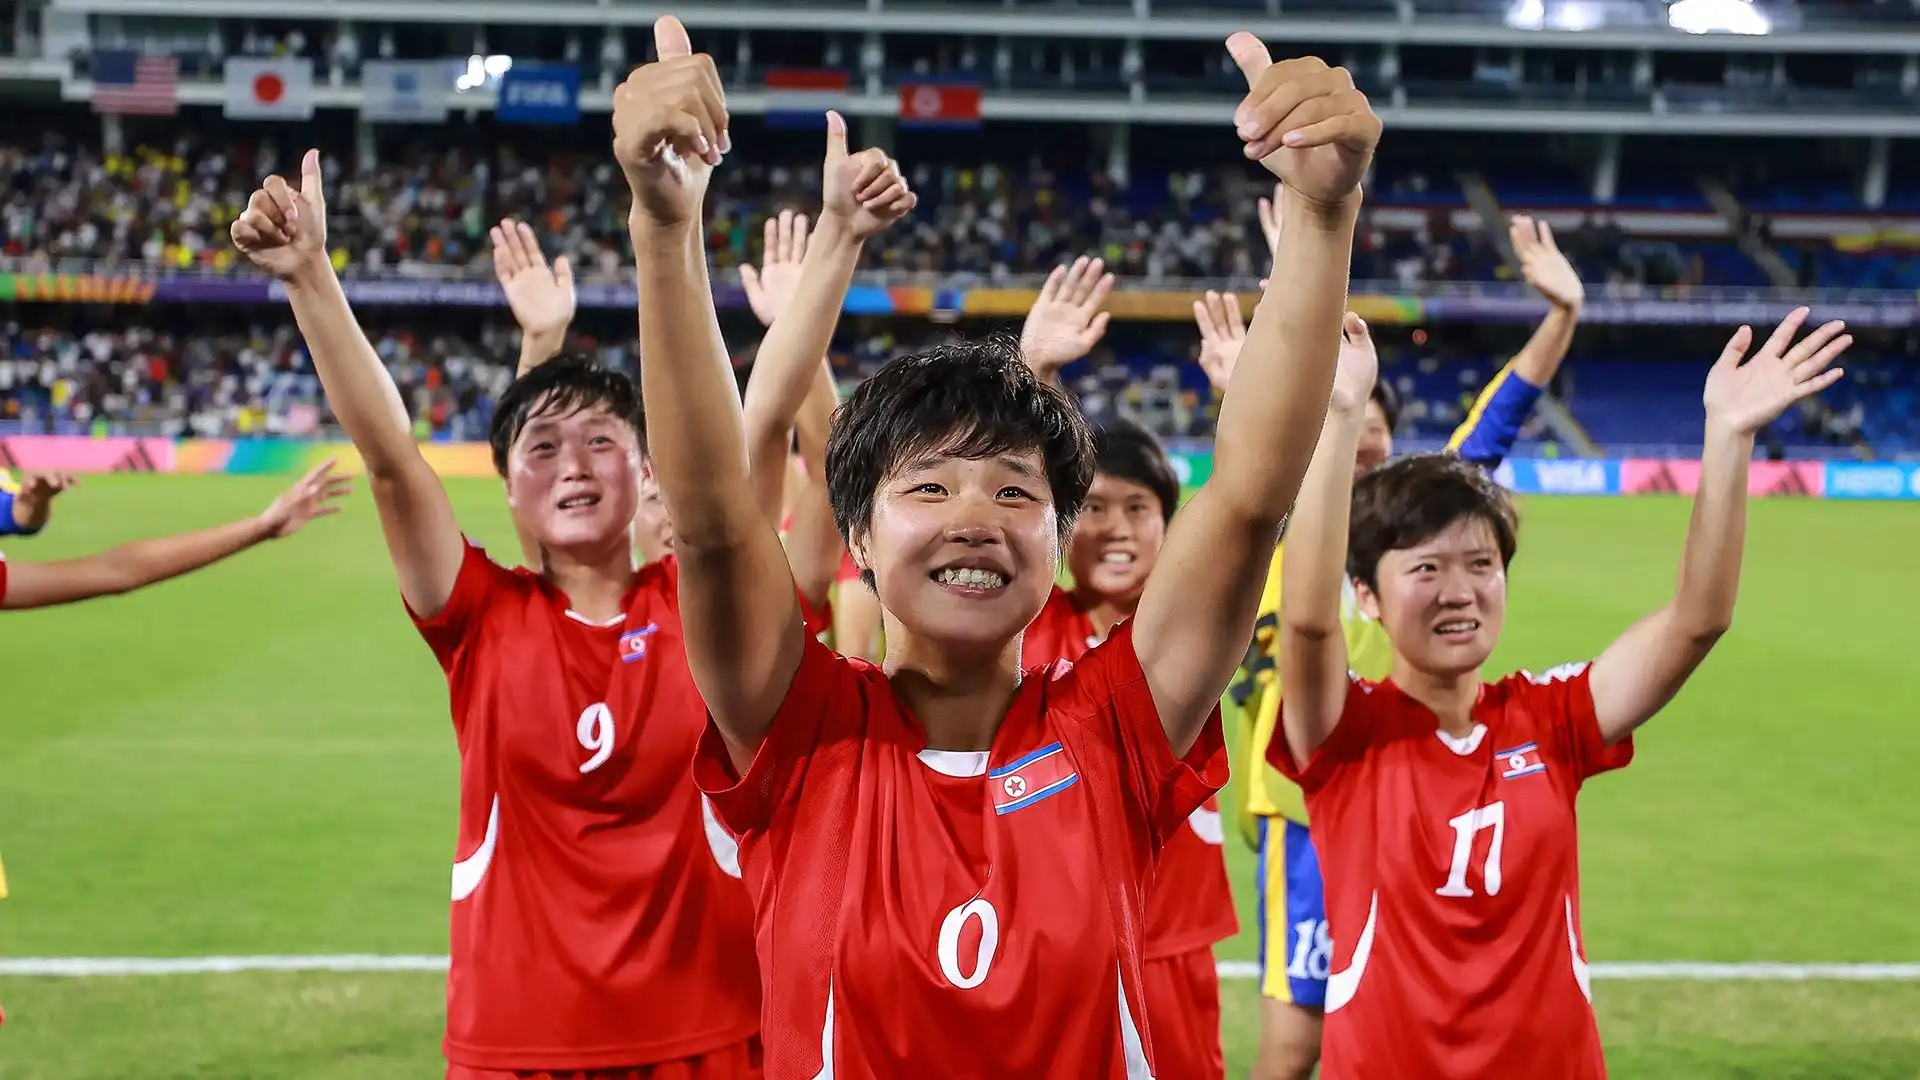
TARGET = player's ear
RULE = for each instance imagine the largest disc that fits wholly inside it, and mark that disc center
(1368, 600)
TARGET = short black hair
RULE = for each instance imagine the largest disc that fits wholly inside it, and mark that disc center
(1124, 449)
(562, 386)
(971, 399)
(1385, 396)
(1407, 502)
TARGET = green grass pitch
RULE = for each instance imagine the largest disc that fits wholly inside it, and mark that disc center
(257, 760)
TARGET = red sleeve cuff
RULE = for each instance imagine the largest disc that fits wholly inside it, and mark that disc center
(1347, 741)
(745, 803)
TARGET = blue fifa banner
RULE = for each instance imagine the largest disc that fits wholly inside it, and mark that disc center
(1872, 480)
(1559, 476)
(539, 94)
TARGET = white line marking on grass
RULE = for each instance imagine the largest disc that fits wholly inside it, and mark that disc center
(82, 966)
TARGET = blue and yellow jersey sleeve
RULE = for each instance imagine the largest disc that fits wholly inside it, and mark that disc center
(1493, 424)
(1268, 794)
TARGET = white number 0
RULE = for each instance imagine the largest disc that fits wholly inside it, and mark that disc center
(949, 949)
(595, 732)
(1465, 827)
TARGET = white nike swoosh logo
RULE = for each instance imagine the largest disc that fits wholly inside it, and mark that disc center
(468, 871)
(1206, 824)
(1342, 984)
(1581, 974)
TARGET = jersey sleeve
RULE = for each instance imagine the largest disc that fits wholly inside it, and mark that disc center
(1112, 696)
(1561, 703)
(1345, 747)
(3, 579)
(451, 629)
(1493, 424)
(824, 708)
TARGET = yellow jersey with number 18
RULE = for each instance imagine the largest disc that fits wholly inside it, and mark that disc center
(1368, 652)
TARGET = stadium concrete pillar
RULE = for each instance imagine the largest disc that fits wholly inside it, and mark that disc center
(1873, 185)
(878, 131)
(366, 148)
(1606, 170)
(1119, 140)
(113, 135)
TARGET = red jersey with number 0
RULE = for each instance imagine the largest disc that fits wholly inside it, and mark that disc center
(1191, 903)
(598, 916)
(927, 913)
(1453, 883)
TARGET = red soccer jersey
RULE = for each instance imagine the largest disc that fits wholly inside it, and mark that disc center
(598, 919)
(1191, 903)
(1453, 884)
(928, 913)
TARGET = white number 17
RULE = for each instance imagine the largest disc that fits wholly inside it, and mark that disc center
(1465, 828)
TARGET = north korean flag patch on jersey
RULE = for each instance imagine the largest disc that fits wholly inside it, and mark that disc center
(1522, 760)
(633, 643)
(1041, 774)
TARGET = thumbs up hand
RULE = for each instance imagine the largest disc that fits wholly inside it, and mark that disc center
(864, 190)
(283, 230)
(670, 127)
(1304, 121)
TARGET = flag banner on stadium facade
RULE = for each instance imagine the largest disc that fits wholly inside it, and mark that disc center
(940, 104)
(127, 83)
(269, 88)
(800, 97)
(539, 94)
(405, 91)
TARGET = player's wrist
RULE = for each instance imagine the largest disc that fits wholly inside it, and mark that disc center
(314, 270)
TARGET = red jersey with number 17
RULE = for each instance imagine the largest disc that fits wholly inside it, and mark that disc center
(1453, 882)
(938, 913)
(598, 917)
(1191, 903)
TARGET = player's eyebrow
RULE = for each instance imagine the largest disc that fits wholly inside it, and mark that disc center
(1019, 465)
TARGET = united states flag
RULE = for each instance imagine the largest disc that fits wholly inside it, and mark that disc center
(133, 84)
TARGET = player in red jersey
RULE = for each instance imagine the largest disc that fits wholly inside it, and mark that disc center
(123, 569)
(598, 924)
(1442, 805)
(1116, 541)
(949, 860)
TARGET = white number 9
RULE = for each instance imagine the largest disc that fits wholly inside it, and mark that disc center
(949, 948)
(595, 732)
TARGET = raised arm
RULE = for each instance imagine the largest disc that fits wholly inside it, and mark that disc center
(147, 562)
(284, 231)
(1312, 649)
(1641, 671)
(540, 296)
(25, 511)
(791, 388)
(1307, 124)
(1066, 320)
(742, 621)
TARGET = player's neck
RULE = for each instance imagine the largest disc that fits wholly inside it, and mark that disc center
(959, 700)
(1449, 697)
(595, 586)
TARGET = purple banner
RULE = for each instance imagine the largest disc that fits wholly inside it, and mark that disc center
(404, 292)
(1755, 312)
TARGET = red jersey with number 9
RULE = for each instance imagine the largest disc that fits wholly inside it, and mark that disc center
(598, 917)
(1453, 883)
(930, 913)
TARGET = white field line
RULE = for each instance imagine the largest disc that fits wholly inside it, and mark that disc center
(82, 966)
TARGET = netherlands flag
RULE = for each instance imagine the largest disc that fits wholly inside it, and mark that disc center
(800, 97)
(1522, 760)
(1019, 784)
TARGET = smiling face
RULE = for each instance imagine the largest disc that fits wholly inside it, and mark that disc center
(574, 479)
(1116, 540)
(1443, 600)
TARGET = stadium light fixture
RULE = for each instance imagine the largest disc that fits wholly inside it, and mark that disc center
(483, 71)
(1566, 15)
(1718, 17)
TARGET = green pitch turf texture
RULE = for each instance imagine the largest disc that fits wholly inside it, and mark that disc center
(257, 760)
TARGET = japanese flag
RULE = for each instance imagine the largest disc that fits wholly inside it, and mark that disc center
(269, 88)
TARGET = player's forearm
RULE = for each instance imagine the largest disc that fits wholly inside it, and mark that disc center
(694, 434)
(1271, 415)
(1316, 562)
(537, 349)
(357, 384)
(29, 515)
(814, 550)
(1716, 536)
(1539, 359)
(787, 369)
(130, 566)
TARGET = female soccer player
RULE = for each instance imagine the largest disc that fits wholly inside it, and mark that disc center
(1443, 806)
(949, 861)
(148, 562)
(598, 927)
